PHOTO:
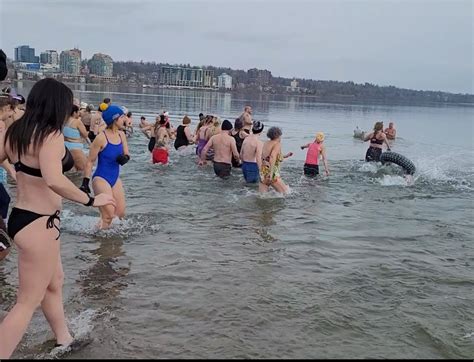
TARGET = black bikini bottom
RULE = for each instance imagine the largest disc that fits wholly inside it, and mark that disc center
(20, 218)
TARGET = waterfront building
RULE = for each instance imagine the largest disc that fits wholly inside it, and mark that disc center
(25, 54)
(50, 57)
(70, 61)
(101, 65)
(259, 77)
(186, 77)
(224, 81)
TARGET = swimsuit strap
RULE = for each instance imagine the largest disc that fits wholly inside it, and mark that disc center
(105, 134)
(50, 222)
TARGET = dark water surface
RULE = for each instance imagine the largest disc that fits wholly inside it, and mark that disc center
(356, 265)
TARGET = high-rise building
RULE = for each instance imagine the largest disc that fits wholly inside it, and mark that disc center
(101, 65)
(70, 61)
(25, 54)
(224, 81)
(50, 57)
(259, 77)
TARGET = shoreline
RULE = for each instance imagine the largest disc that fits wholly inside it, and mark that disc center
(343, 99)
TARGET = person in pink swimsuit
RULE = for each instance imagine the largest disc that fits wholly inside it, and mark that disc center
(315, 150)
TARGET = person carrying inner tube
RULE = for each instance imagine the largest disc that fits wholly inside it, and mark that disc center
(111, 149)
(377, 139)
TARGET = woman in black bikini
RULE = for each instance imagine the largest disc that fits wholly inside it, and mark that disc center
(35, 144)
(377, 139)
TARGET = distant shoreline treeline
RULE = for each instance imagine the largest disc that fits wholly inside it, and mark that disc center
(321, 90)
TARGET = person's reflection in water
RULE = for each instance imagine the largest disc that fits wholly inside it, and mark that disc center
(267, 208)
(105, 279)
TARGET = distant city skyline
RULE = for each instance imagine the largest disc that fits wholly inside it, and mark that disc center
(406, 44)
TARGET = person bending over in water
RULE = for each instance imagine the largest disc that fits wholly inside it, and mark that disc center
(377, 139)
(224, 148)
(251, 153)
(271, 163)
(111, 149)
(315, 149)
(35, 144)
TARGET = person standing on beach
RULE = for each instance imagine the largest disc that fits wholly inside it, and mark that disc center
(224, 148)
(251, 154)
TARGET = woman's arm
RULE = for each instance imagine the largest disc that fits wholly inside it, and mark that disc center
(368, 137)
(3, 129)
(96, 147)
(82, 130)
(258, 155)
(305, 146)
(385, 139)
(50, 164)
(9, 168)
(124, 143)
(323, 156)
(289, 154)
(188, 134)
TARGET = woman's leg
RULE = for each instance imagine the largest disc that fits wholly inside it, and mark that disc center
(262, 187)
(38, 253)
(119, 196)
(280, 186)
(53, 308)
(107, 213)
(79, 159)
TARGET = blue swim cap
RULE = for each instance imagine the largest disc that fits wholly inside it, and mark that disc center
(112, 112)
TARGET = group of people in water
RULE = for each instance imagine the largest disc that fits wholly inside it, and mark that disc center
(45, 140)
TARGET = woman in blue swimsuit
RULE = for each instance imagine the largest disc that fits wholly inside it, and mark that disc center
(35, 145)
(111, 149)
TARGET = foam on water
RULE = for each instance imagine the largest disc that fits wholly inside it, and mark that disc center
(392, 180)
(88, 225)
(81, 327)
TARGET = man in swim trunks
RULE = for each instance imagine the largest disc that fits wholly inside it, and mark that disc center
(224, 148)
(251, 154)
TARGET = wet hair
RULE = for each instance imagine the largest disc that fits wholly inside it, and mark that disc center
(201, 115)
(48, 106)
(74, 109)
(129, 114)
(142, 118)
(106, 101)
(274, 132)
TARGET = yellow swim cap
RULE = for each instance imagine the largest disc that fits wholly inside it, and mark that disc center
(319, 137)
(103, 106)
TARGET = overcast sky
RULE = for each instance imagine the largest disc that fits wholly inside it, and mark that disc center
(410, 44)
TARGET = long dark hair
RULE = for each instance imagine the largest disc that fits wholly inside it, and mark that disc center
(48, 107)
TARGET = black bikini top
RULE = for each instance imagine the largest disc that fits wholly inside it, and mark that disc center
(375, 140)
(67, 161)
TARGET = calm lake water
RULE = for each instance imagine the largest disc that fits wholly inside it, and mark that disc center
(357, 264)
